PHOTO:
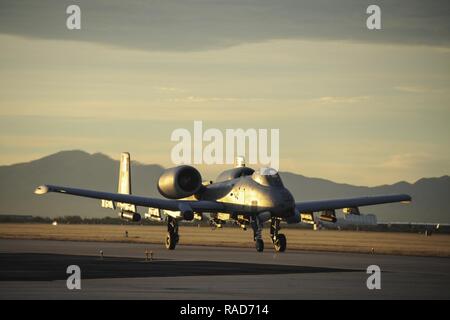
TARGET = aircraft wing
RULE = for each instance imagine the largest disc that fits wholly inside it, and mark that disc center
(321, 205)
(173, 205)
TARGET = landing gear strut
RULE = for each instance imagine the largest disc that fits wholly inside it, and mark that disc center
(278, 239)
(257, 230)
(172, 236)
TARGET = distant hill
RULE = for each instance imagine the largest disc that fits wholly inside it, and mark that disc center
(431, 201)
(69, 168)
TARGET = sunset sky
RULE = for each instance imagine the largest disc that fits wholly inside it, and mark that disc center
(352, 105)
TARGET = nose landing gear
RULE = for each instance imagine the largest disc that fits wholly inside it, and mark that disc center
(278, 239)
(280, 243)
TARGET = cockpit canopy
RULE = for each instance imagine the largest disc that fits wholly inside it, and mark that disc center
(268, 177)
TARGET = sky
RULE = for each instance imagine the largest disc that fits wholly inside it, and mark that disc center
(353, 105)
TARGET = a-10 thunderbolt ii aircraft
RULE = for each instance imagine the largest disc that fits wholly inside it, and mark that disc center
(241, 194)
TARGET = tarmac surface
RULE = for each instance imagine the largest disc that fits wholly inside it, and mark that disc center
(36, 269)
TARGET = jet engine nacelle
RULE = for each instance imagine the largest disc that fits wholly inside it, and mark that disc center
(179, 182)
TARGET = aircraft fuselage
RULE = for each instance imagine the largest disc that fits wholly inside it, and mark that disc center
(244, 195)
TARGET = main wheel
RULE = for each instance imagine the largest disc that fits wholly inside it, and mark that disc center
(171, 241)
(280, 243)
(259, 243)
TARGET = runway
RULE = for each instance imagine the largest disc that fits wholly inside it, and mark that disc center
(36, 269)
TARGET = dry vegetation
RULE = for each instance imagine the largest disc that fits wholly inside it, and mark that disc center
(323, 240)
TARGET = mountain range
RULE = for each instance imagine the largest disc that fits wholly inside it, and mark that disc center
(431, 201)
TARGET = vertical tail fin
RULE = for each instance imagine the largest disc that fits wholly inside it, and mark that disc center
(124, 174)
(124, 185)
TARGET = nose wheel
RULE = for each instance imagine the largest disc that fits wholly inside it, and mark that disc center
(280, 243)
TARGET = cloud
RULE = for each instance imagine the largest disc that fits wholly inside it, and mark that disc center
(169, 25)
(170, 89)
(415, 89)
(214, 99)
(404, 160)
(46, 141)
(339, 99)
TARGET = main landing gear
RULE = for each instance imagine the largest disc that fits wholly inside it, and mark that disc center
(172, 236)
(278, 239)
(257, 225)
